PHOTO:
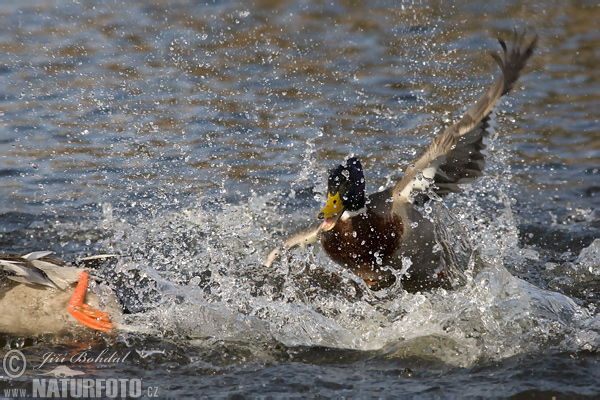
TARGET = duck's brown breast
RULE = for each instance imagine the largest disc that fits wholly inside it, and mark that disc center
(365, 242)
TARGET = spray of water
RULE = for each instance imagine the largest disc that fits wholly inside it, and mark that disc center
(196, 274)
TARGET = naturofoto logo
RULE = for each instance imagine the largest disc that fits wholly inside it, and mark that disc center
(64, 381)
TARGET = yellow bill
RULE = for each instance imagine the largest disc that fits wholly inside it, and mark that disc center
(332, 211)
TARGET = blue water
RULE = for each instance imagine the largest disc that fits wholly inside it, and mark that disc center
(191, 138)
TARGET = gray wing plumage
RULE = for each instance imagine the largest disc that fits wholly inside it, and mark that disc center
(455, 156)
(38, 268)
(465, 162)
(28, 268)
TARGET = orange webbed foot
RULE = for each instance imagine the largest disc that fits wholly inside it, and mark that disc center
(86, 315)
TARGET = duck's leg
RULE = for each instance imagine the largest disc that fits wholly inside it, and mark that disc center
(86, 315)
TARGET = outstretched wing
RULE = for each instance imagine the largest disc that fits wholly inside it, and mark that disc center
(302, 239)
(455, 156)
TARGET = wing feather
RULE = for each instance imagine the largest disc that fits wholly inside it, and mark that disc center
(455, 156)
(303, 238)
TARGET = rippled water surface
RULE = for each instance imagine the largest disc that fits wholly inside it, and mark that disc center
(192, 137)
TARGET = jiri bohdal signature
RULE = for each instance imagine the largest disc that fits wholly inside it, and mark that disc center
(83, 357)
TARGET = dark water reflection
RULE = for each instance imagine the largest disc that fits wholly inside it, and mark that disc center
(139, 107)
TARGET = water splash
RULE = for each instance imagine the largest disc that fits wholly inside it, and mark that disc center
(196, 274)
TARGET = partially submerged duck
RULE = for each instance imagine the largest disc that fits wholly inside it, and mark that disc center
(386, 231)
(37, 295)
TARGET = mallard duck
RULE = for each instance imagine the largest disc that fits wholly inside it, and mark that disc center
(35, 295)
(375, 235)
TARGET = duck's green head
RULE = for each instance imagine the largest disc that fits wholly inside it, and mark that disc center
(345, 191)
